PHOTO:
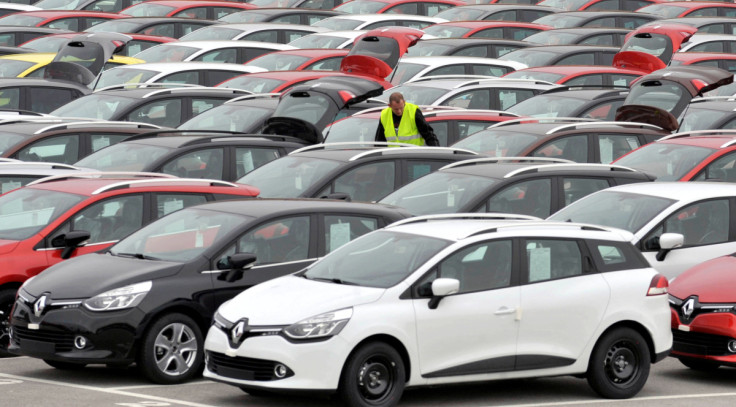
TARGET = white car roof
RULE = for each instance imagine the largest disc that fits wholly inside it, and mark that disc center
(172, 67)
(217, 44)
(698, 38)
(680, 191)
(372, 18)
(447, 60)
(251, 27)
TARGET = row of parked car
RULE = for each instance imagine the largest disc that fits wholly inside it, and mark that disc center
(183, 275)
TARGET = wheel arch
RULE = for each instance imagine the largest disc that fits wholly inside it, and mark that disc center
(390, 340)
(639, 328)
(175, 308)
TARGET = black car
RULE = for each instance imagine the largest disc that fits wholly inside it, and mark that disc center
(609, 19)
(709, 113)
(245, 114)
(563, 55)
(614, 37)
(13, 36)
(497, 12)
(191, 154)
(595, 103)
(149, 298)
(356, 172)
(38, 95)
(536, 187)
(279, 15)
(466, 47)
(173, 27)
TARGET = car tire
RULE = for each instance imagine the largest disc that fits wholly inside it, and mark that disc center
(373, 376)
(61, 365)
(700, 364)
(171, 350)
(619, 365)
(7, 299)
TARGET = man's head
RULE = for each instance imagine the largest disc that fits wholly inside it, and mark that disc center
(396, 103)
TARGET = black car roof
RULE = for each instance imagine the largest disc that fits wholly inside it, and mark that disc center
(259, 207)
(140, 93)
(183, 141)
(563, 49)
(354, 154)
(501, 170)
(54, 83)
(465, 41)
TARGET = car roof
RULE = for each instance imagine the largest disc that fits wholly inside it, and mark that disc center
(30, 128)
(216, 44)
(498, 169)
(562, 49)
(92, 186)
(445, 60)
(311, 52)
(705, 140)
(483, 24)
(580, 69)
(144, 92)
(347, 154)
(589, 30)
(473, 40)
(680, 191)
(698, 56)
(153, 20)
(264, 207)
(247, 27)
(172, 67)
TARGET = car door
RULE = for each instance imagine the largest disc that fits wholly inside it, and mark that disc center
(46, 100)
(366, 182)
(473, 331)
(206, 162)
(62, 148)
(611, 147)
(533, 197)
(574, 148)
(558, 279)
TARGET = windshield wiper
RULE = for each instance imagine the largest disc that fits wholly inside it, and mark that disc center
(332, 280)
(136, 255)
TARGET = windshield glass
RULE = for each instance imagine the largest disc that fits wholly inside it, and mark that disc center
(560, 21)
(439, 192)
(404, 72)
(288, 177)
(663, 10)
(552, 38)
(8, 140)
(95, 106)
(115, 26)
(24, 212)
(46, 44)
(658, 45)
(701, 119)
(274, 3)
(180, 236)
(318, 41)
(419, 95)
(567, 5)
(279, 62)
(247, 16)
(529, 57)
(148, 10)
(25, 20)
(352, 129)
(616, 209)
(497, 143)
(10, 68)
(428, 49)
(547, 106)
(166, 53)
(123, 157)
(446, 31)
(119, 76)
(58, 4)
(536, 75)
(380, 259)
(211, 33)
(252, 84)
(461, 14)
(361, 7)
(307, 106)
(669, 162)
(666, 95)
(338, 24)
(228, 118)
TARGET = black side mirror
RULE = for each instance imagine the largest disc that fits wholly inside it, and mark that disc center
(72, 240)
(337, 195)
(236, 265)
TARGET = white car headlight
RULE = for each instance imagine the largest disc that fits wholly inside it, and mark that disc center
(119, 298)
(221, 322)
(320, 326)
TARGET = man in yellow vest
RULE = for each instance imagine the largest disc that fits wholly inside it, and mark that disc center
(403, 122)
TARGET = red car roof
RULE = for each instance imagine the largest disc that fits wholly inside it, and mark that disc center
(313, 53)
(688, 58)
(490, 24)
(701, 141)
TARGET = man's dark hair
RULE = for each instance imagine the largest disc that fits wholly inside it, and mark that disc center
(395, 97)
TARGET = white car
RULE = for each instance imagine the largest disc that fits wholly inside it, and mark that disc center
(371, 21)
(330, 39)
(413, 68)
(443, 299)
(676, 225)
(709, 43)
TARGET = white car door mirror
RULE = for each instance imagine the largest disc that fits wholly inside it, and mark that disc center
(442, 287)
(667, 242)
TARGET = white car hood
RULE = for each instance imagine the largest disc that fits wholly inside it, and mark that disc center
(290, 299)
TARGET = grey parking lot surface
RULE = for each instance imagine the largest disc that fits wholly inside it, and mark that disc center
(30, 382)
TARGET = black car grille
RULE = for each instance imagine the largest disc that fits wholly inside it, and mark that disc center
(240, 368)
(63, 341)
(697, 343)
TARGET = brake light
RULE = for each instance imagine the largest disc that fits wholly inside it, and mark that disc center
(345, 95)
(658, 286)
(698, 84)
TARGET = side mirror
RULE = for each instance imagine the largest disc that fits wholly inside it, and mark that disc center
(235, 266)
(72, 240)
(337, 195)
(442, 287)
(667, 242)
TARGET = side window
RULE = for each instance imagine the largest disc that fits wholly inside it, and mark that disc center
(525, 198)
(279, 241)
(612, 256)
(603, 39)
(220, 12)
(465, 128)
(248, 159)
(59, 149)
(228, 55)
(613, 146)
(435, 8)
(576, 188)
(406, 8)
(604, 111)
(573, 148)
(262, 36)
(213, 77)
(135, 46)
(165, 30)
(586, 80)
(520, 33)
(506, 15)
(713, 63)
(711, 46)
(633, 22)
(728, 12)
(330, 64)
(489, 33)
(722, 169)
(602, 22)
(704, 12)
(87, 22)
(621, 80)
(474, 99)
(7, 40)
(551, 259)
(340, 229)
(488, 70)
(186, 28)
(10, 99)
(605, 5)
(64, 24)
(197, 164)
(313, 18)
(112, 219)
(189, 77)
(98, 141)
(713, 29)
(289, 19)
(165, 113)
(409, 23)
(291, 35)
(194, 12)
(456, 69)
(107, 6)
(479, 267)
(578, 59)
(441, 131)
(477, 51)
(201, 105)
(501, 50)
(167, 203)
(700, 223)
(46, 100)
(510, 97)
(369, 182)
(418, 169)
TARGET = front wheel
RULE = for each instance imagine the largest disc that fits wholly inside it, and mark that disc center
(619, 364)
(171, 350)
(373, 376)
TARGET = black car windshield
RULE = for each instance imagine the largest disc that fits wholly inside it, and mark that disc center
(497, 143)
(95, 106)
(669, 162)
(616, 209)
(380, 259)
(123, 157)
(288, 177)
(8, 140)
(230, 117)
(439, 192)
(180, 236)
(24, 212)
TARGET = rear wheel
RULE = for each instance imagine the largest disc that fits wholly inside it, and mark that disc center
(373, 376)
(7, 298)
(171, 350)
(700, 364)
(619, 365)
(57, 364)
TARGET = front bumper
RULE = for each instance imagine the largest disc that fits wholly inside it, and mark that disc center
(706, 336)
(311, 366)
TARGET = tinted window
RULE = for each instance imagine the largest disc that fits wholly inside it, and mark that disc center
(229, 55)
(171, 202)
(165, 113)
(369, 182)
(247, 158)
(700, 223)
(525, 198)
(206, 163)
(340, 229)
(574, 148)
(576, 188)
(46, 100)
(550, 259)
(479, 267)
(57, 149)
(112, 219)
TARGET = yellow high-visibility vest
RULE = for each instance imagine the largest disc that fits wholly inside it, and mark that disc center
(408, 131)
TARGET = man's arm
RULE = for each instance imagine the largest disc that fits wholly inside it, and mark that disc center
(380, 134)
(425, 130)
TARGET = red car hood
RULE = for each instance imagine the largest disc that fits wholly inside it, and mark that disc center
(712, 281)
(7, 246)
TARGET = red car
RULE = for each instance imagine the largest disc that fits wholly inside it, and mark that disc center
(717, 59)
(208, 10)
(50, 220)
(450, 125)
(703, 315)
(279, 81)
(73, 20)
(301, 60)
(651, 47)
(485, 29)
(675, 9)
(598, 5)
(579, 75)
(52, 43)
(422, 8)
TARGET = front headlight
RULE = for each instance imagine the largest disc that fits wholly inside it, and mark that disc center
(320, 326)
(219, 321)
(119, 298)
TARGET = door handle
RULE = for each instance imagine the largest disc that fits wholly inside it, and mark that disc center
(504, 311)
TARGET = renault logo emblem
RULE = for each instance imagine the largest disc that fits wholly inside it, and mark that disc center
(236, 334)
(688, 307)
(39, 306)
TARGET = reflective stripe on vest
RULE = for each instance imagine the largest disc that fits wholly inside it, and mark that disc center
(408, 131)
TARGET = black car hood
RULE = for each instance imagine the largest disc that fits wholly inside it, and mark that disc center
(92, 274)
(291, 127)
(647, 114)
(84, 56)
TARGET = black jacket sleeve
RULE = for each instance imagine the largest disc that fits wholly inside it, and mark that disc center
(380, 134)
(426, 130)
